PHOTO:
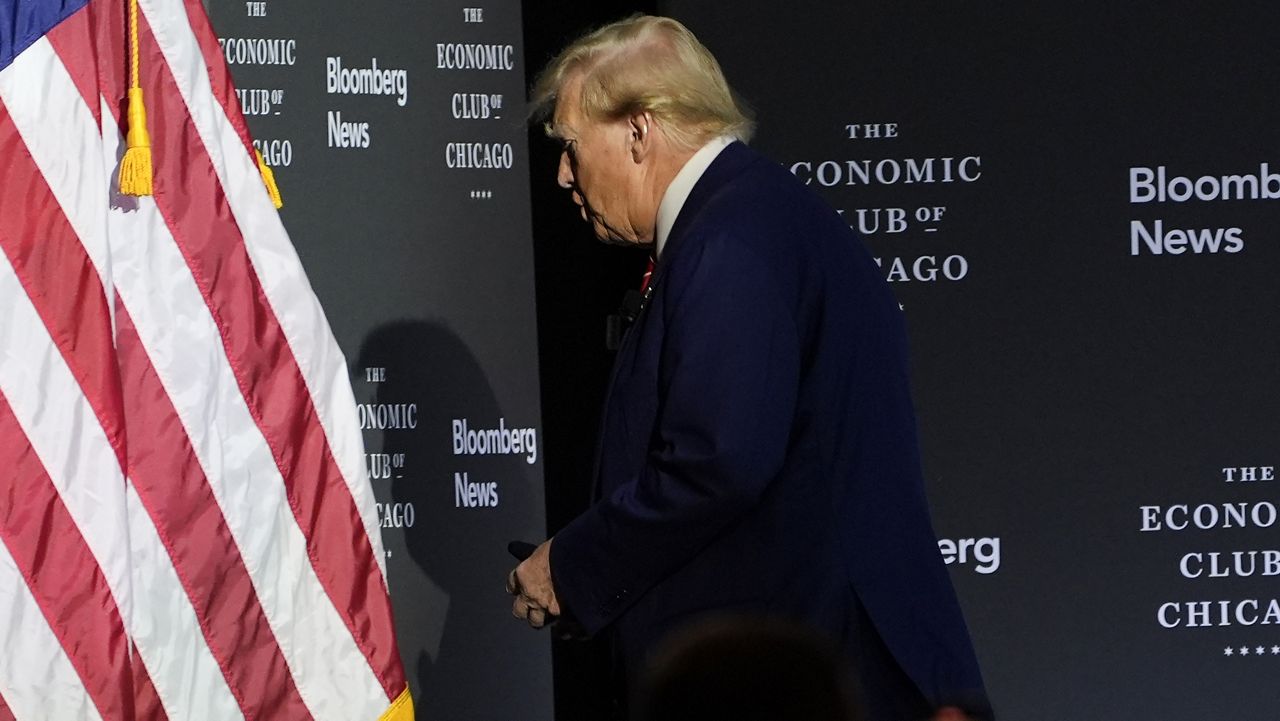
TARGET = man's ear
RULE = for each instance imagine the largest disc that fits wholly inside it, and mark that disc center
(643, 129)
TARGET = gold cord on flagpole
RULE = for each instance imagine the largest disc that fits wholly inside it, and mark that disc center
(135, 166)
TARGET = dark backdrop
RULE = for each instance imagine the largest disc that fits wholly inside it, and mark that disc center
(1076, 388)
(1086, 381)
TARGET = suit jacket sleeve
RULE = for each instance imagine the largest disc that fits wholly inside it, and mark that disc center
(727, 385)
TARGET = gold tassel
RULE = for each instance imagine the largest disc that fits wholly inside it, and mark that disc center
(135, 167)
(269, 180)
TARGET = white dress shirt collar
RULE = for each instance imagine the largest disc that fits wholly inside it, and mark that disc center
(678, 191)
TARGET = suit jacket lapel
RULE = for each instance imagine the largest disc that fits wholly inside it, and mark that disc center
(723, 169)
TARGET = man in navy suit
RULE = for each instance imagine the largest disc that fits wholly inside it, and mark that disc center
(758, 453)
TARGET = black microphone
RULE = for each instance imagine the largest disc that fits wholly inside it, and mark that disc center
(616, 324)
(632, 302)
(521, 549)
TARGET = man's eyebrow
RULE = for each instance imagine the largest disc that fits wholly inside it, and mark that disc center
(558, 131)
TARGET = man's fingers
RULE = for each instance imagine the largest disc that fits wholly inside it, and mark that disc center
(530, 582)
(537, 617)
(526, 610)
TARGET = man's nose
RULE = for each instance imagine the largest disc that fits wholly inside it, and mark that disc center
(565, 174)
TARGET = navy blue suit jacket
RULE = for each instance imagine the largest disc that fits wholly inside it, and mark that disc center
(758, 450)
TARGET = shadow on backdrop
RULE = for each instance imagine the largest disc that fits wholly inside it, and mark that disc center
(453, 616)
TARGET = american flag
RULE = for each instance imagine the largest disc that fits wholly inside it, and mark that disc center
(186, 525)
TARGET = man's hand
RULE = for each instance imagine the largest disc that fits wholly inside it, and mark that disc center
(530, 583)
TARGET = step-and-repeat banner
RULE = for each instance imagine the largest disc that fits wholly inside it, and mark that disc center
(1078, 207)
(396, 132)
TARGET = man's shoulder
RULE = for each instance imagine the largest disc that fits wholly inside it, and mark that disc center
(741, 171)
(755, 218)
(747, 194)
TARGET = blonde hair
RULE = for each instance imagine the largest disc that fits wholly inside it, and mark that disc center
(647, 64)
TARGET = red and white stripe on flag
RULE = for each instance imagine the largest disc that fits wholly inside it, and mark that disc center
(186, 527)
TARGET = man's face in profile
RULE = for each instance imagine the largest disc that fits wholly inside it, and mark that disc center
(596, 166)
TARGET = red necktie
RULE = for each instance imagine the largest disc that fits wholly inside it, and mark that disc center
(648, 273)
